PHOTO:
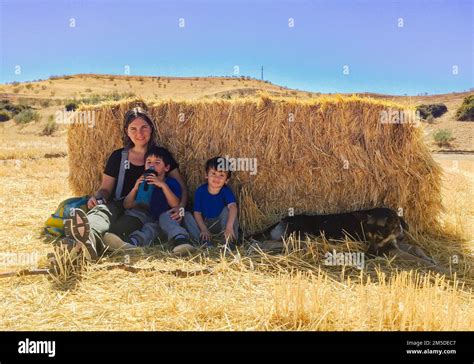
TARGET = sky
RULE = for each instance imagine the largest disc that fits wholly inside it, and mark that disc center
(386, 46)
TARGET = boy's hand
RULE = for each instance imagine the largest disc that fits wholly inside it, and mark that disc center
(205, 235)
(153, 180)
(137, 183)
(175, 214)
(229, 233)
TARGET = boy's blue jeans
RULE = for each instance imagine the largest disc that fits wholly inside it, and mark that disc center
(215, 225)
(151, 229)
(144, 229)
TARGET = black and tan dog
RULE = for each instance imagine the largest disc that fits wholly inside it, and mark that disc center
(381, 228)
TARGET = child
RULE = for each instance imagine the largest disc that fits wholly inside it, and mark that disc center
(215, 206)
(141, 223)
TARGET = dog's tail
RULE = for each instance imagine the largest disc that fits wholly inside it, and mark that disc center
(265, 234)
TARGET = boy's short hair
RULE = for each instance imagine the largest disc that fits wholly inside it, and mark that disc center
(219, 164)
(160, 152)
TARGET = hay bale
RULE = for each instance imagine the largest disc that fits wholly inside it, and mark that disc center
(327, 155)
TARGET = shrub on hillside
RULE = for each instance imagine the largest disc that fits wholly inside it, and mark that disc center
(5, 115)
(435, 110)
(27, 116)
(45, 103)
(13, 109)
(443, 137)
(466, 110)
(50, 128)
(71, 105)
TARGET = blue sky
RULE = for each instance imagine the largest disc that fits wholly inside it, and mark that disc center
(436, 37)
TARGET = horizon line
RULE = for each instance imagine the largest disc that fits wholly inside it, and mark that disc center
(231, 77)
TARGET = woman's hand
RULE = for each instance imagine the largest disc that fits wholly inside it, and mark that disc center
(93, 202)
(104, 192)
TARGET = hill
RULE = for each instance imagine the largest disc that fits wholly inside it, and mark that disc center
(47, 96)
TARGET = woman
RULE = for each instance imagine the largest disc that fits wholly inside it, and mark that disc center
(106, 205)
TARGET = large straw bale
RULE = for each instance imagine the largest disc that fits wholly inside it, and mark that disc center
(328, 155)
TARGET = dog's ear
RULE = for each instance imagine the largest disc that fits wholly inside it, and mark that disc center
(371, 219)
(382, 221)
(404, 224)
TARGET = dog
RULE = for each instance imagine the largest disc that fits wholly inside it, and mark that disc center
(381, 228)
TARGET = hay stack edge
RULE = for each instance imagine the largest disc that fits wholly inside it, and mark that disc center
(328, 155)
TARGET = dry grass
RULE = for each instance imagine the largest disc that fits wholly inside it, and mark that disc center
(20, 143)
(236, 298)
(247, 292)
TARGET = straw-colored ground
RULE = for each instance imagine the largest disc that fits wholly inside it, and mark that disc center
(247, 292)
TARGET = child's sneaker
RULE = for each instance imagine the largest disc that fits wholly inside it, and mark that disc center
(115, 242)
(228, 247)
(207, 244)
(182, 246)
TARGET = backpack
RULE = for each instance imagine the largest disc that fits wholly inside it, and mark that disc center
(55, 223)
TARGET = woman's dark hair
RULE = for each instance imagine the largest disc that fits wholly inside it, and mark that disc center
(132, 114)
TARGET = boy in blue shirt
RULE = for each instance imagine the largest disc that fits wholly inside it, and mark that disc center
(215, 206)
(145, 220)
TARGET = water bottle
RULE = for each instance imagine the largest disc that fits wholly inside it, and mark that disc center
(145, 190)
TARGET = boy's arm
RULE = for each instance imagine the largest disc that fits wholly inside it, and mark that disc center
(184, 192)
(171, 198)
(129, 201)
(232, 215)
(200, 221)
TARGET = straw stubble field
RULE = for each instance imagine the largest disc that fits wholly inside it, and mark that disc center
(247, 291)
